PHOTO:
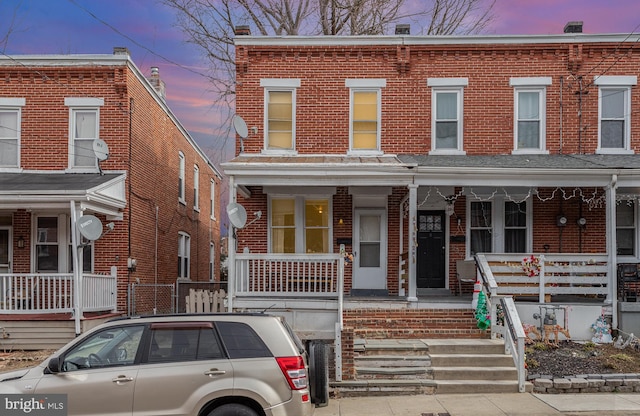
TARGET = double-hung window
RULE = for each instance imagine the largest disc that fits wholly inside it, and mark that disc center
(181, 178)
(10, 112)
(184, 254)
(530, 96)
(299, 224)
(280, 114)
(614, 113)
(626, 235)
(446, 114)
(84, 129)
(499, 226)
(212, 199)
(196, 188)
(365, 115)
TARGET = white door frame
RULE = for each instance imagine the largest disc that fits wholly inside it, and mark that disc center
(372, 278)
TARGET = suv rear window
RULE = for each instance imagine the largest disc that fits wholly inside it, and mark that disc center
(183, 344)
(241, 340)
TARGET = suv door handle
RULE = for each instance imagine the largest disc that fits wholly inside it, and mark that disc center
(122, 379)
(215, 372)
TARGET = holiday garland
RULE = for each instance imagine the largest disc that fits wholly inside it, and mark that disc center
(531, 266)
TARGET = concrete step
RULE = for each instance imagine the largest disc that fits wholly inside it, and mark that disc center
(474, 373)
(381, 387)
(383, 360)
(465, 346)
(479, 386)
(402, 347)
(471, 360)
(394, 373)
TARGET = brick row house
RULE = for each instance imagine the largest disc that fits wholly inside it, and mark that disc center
(403, 155)
(88, 140)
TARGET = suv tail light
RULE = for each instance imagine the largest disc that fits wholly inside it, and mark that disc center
(294, 371)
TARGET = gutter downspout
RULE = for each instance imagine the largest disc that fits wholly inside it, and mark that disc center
(611, 247)
(231, 248)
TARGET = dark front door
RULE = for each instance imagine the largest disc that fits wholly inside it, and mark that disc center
(431, 250)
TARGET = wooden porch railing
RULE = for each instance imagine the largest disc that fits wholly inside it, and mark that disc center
(41, 293)
(288, 274)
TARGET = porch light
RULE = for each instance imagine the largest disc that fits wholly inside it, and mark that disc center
(20, 242)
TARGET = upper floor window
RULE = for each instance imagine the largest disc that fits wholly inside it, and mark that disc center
(184, 254)
(181, 184)
(499, 226)
(10, 112)
(446, 114)
(84, 129)
(212, 261)
(300, 224)
(530, 126)
(212, 199)
(614, 113)
(280, 114)
(365, 114)
(196, 187)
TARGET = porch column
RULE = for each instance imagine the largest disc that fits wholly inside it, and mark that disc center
(231, 249)
(413, 238)
(77, 266)
(612, 296)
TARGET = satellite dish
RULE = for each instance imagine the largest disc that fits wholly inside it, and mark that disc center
(100, 149)
(90, 227)
(237, 214)
(240, 126)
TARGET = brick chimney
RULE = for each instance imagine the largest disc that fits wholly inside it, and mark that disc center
(403, 29)
(121, 50)
(242, 31)
(573, 27)
(156, 82)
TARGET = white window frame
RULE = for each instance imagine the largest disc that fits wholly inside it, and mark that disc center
(300, 223)
(196, 188)
(635, 256)
(212, 261)
(448, 85)
(366, 85)
(13, 105)
(608, 82)
(181, 178)
(184, 255)
(212, 198)
(76, 105)
(276, 85)
(497, 228)
(538, 85)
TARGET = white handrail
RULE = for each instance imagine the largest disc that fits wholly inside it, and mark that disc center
(512, 333)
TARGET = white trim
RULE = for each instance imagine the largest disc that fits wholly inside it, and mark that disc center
(182, 175)
(447, 82)
(287, 190)
(365, 83)
(280, 82)
(613, 80)
(530, 81)
(83, 102)
(542, 108)
(12, 102)
(447, 88)
(626, 145)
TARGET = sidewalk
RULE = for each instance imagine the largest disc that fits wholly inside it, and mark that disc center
(511, 404)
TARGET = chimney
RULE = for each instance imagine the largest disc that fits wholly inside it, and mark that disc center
(156, 82)
(403, 29)
(242, 31)
(573, 27)
(121, 50)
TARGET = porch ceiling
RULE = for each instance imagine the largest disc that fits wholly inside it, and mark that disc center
(103, 193)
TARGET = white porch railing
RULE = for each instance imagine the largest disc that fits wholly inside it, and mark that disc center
(510, 328)
(288, 274)
(42, 293)
(558, 274)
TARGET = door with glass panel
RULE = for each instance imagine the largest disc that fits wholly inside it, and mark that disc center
(5, 250)
(370, 249)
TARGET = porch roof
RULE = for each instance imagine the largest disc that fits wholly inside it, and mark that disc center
(103, 193)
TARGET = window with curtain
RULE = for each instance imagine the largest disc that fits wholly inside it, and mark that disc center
(626, 228)
(9, 137)
(528, 127)
(300, 225)
(613, 118)
(184, 255)
(515, 227)
(283, 225)
(84, 133)
(316, 218)
(280, 120)
(365, 123)
(480, 227)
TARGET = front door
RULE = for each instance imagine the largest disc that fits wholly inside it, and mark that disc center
(431, 250)
(5, 250)
(370, 250)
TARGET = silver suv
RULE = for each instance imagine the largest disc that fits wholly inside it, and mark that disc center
(200, 365)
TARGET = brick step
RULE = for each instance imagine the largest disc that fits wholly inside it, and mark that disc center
(478, 386)
(474, 373)
(471, 360)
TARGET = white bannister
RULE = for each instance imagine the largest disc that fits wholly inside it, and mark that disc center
(512, 333)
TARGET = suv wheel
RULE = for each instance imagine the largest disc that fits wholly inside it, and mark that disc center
(233, 409)
(319, 373)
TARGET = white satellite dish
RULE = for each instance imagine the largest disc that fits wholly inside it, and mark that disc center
(90, 227)
(240, 126)
(237, 214)
(100, 149)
